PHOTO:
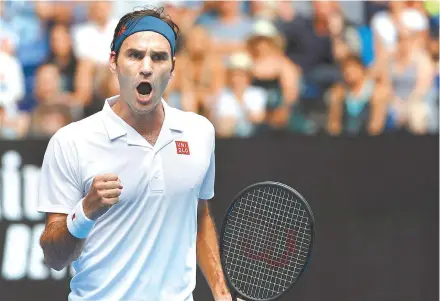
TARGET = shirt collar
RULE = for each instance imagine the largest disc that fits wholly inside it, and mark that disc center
(116, 127)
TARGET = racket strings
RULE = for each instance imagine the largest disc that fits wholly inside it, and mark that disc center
(266, 241)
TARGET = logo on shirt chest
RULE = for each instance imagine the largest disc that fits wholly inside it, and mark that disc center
(182, 148)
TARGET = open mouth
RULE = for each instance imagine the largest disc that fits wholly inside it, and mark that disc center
(144, 89)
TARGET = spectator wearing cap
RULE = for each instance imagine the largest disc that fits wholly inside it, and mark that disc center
(358, 104)
(199, 75)
(240, 107)
(274, 72)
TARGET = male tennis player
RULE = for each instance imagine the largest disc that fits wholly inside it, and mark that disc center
(125, 190)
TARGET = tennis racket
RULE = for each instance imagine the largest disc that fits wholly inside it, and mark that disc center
(266, 241)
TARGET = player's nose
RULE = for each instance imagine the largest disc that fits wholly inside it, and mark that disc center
(146, 67)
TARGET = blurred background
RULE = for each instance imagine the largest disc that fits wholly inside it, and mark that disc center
(338, 99)
(309, 67)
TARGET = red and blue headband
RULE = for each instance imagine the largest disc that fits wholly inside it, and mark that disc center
(147, 23)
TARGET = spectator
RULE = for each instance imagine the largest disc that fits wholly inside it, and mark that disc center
(181, 13)
(62, 56)
(358, 104)
(208, 12)
(433, 48)
(8, 36)
(385, 26)
(372, 7)
(91, 40)
(316, 44)
(286, 11)
(76, 75)
(2, 122)
(230, 29)
(11, 82)
(91, 43)
(273, 71)
(29, 20)
(107, 86)
(411, 76)
(47, 91)
(241, 106)
(47, 119)
(120, 8)
(11, 92)
(69, 12)
(199, 74)
(268, 10)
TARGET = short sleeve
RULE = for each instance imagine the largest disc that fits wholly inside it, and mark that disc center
(59, 188)
(207, 188)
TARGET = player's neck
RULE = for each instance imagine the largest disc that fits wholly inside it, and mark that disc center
(144, 124)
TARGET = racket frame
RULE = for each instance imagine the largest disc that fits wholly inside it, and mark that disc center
(236, 293)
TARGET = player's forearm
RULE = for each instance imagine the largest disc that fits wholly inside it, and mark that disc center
(60, 248)
(208, 256)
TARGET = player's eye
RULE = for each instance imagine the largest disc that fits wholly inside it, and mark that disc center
(159, 57)
(135, 55)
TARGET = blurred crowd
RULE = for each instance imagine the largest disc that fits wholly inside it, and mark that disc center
(334, 67)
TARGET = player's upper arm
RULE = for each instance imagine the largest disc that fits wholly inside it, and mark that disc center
(60, 187)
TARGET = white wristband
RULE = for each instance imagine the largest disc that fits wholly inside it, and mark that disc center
(78, 223)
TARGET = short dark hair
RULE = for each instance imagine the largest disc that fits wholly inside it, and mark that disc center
(139, 13)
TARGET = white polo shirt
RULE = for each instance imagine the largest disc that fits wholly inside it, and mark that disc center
(143, 248)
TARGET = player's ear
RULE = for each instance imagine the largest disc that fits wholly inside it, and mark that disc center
(172, 67)
(113, 62)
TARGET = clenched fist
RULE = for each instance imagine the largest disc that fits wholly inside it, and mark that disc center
(103, 194)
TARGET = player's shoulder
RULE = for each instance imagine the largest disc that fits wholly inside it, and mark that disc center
(79, 130)
(193, 122)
